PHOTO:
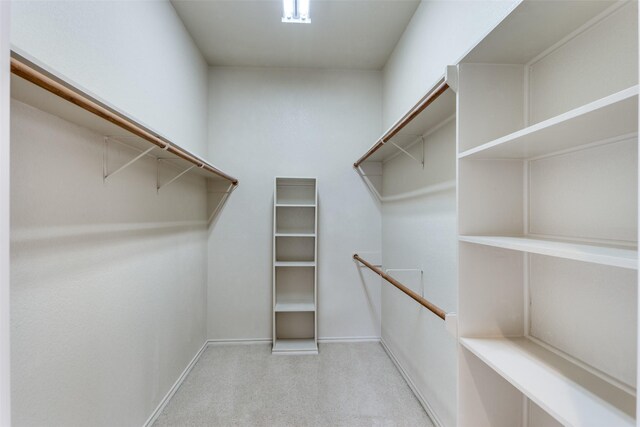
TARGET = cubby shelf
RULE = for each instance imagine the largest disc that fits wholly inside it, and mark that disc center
(295, 346)
(569, 393)
(607, 118)
(518, 37)
(605, 255)
(295, 248)
(284, 306)
(295, 264)
(547, 185)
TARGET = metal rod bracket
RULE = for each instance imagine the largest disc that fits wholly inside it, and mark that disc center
(105, 159)
(160, 186)
(222, 201)
(421, 161)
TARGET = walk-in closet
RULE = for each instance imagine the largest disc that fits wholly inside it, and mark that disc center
(319, 213)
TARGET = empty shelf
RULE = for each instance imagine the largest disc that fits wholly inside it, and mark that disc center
(295, 306)
(606, 255)
(569, 393)
(610, 117)
(295, 346)
(436, 107)
(295, 264)
(294, 234)
(295, 205)
(518, 38)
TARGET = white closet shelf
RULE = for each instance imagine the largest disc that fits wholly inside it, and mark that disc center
(605, 255)
(295, 264)
(604, 119)
(433, 109)
(518, 37)
(569, 393)
(283, 306)
(295, 245)
(35, 85)
(295, 346)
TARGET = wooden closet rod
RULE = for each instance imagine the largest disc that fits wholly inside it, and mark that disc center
(419, 108)
(423, 302)
(28, 71)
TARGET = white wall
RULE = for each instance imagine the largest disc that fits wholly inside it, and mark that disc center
(421, 232)
(136, 55)
(439, 34)
(293, 122)
(5, 367)
(108, 281)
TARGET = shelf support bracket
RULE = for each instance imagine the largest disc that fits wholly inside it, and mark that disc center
(411, 155)
(222, 202)
(160, 186)
(105, 160)
(368, 183)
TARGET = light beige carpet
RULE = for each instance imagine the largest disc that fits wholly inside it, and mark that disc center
(244, 385)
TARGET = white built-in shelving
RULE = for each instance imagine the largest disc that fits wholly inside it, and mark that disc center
(295, 346)
(294, 264)
(571, 394)
(295, 306)
(598, 254)
(295, 227)
(605, 119)
(547, 144)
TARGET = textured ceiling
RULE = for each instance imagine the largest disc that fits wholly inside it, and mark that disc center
(343, 33)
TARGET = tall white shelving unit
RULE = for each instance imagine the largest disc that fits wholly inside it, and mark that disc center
(548, 222)
(295, 262)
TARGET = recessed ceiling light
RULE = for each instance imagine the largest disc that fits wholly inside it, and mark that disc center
(296, 11)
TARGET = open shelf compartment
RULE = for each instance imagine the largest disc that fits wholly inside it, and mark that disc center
(294, 289)
(295, 220)
(530, 28)
(295, 332)
(605, 119)
(295, 191)
(547, 148)
(569, 393)
(295, 248)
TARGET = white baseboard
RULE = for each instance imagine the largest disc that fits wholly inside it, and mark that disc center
(327, 340)
(239, 341)
(165, 400)
(322, 340)
(429, 410)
